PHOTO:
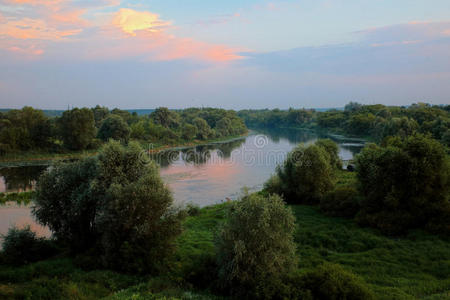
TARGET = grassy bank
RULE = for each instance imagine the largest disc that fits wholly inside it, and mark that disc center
(413, 267)
(44, 158)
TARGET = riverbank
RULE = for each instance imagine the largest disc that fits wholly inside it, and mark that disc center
(410, 267)
(43, 159)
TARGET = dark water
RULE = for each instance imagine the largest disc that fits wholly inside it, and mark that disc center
(202, 175)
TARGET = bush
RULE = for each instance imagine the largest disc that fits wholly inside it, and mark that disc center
(21, 246)
(331, 281)
(341, 202)
(255, 246)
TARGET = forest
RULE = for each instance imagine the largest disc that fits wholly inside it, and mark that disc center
(30, 130)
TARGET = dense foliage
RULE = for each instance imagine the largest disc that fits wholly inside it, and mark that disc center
(331, 281)
(115, 202)
(405, 184)
(410, 267)
(22, 246)
(255, 247)
(375, 121)
(30, 130)
(307, 174)
(77, 128)
(65, 203)
(114, 127)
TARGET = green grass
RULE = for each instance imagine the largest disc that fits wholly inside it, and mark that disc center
(416, 266)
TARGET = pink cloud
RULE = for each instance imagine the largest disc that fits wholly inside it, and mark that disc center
(27, 28)
(123, 34)
(30, 50)
(146, 36)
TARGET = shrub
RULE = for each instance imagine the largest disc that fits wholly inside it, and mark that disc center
(343, 201)
(255, 246)
(21, 246)
(331, 281)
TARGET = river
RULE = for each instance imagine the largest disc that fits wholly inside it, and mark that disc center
(201, 175)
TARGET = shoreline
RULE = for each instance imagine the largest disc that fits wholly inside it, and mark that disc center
(46, 159)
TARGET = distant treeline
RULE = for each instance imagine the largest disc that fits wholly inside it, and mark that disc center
(375, 121)
(30, 129)
(59, 112)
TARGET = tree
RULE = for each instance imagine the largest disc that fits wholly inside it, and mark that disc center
(100, 114)
(77, 128)
(65, 203)
(255, 246)
(405, 184)
(163, 116)
(223, 127)
(138, 224)
(305, 176)
(115, 201)
(188, 132)
(25, 129)
(203, 129)
(114, 127)
(333, 151)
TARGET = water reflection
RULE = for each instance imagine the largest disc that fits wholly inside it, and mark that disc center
(19, 179)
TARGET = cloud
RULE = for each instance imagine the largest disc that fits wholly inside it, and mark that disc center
(27, 28)
(131, 21)
(412, 31)
(122, 34)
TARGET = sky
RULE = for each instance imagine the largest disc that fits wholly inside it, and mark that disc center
(233, 54)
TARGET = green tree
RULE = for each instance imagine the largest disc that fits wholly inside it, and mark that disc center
(203, 129)
(65, 203)
(333, 151)
(223, 127)
(114, 127)
(115, 201)
(189, 132)
(25, 129)
(305, 176)
(406, 184)
(137, 130)
(255, 246)
(77, 128)
(138, 224)
(100, 114)
(165, 117)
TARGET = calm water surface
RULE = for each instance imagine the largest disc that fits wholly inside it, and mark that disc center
(203, 175)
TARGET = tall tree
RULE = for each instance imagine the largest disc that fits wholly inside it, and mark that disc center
(77, 128)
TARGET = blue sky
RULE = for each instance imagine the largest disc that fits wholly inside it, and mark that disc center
(232, 54)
